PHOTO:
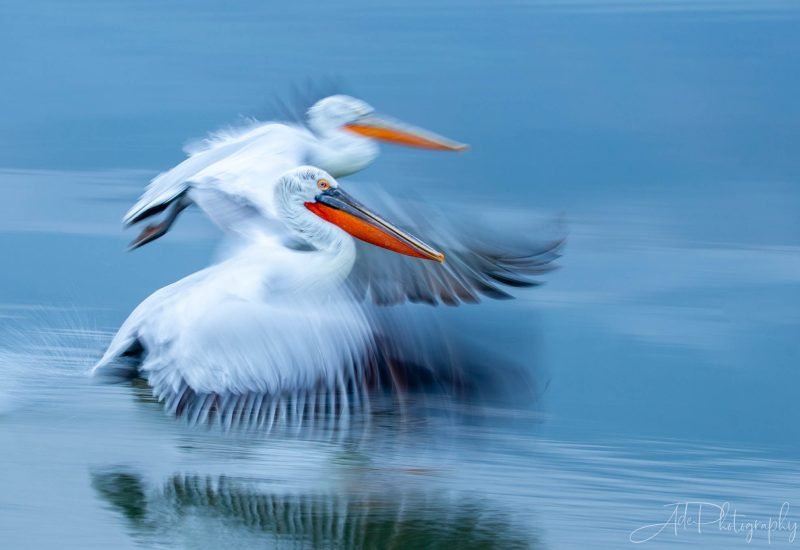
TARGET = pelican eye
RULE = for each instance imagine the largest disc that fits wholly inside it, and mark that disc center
(324, 185)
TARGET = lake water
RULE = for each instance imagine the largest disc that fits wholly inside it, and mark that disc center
(665, 133)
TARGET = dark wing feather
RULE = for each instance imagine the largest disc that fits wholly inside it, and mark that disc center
(482, 259)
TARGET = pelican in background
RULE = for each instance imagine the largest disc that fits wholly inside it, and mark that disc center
(274, 331)
(240, 165)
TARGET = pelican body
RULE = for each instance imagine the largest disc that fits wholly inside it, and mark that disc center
(242, 165)
(274, 323)
(270, 319)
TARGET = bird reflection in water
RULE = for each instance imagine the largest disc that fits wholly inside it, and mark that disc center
(237, 511)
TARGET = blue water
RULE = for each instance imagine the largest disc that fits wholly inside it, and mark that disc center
(665, 135)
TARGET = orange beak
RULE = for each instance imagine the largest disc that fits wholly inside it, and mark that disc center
(340, 209)
(383, 129)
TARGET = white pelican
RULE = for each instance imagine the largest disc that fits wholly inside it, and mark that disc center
(239, 165)
(273, 325)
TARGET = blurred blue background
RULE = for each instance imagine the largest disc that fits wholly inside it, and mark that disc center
(666, 134)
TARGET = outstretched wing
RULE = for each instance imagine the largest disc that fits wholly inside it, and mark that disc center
(217, 149)
(482, 258)
(228, 156)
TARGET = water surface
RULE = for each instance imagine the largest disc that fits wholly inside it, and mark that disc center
(665, 134)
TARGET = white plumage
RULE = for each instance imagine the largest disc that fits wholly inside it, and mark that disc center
(240, 165)
(241, 326)
(269, 320)
(235, 169)
(273, 325)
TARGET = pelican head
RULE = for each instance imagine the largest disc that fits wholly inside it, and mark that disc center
(310, 189)
(342, 112)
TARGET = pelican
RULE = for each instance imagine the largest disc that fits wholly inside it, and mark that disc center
(238, 165)
(273, 325)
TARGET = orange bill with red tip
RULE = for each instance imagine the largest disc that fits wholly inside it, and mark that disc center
(359, 222)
